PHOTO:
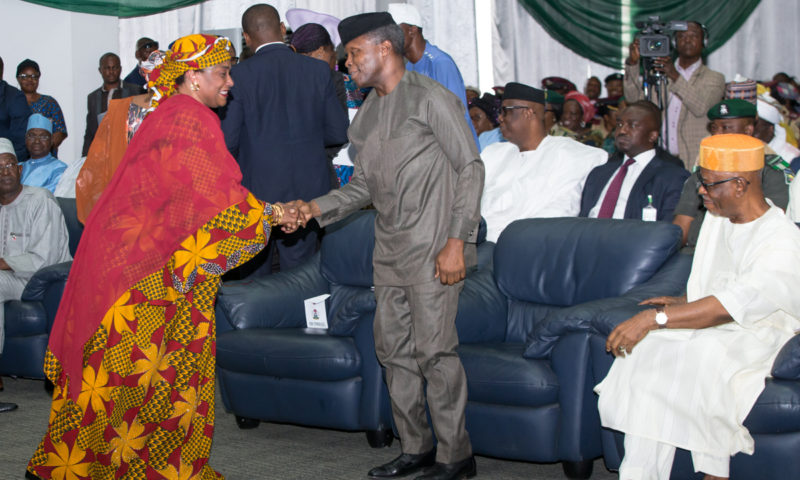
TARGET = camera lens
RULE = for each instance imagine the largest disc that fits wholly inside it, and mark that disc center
(655, 45)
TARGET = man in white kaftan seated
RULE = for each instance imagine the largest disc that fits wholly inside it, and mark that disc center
(533, 174)
(688, 372)
(33, 234)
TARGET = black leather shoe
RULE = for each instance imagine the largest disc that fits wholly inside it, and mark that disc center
(405, 464)
(451, 471)
(7, 407)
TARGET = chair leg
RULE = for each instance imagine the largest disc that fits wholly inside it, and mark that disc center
(247, 423)
(383, 437)
(578, 470)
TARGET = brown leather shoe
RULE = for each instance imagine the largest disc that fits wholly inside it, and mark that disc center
(405, 464)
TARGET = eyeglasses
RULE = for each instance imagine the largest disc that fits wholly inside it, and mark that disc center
(25, 76)
(8, 168)
(510, 108)
(708, 186)
(150, 45)
(40, 136)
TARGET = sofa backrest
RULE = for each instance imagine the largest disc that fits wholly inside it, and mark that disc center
(346, 252)
(550, 263)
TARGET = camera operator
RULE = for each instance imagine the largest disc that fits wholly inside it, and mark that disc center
(693, 88)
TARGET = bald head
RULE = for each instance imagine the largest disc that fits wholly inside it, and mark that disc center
(262, 24)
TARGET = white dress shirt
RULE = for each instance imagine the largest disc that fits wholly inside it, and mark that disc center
(634, 170)
(670, 129)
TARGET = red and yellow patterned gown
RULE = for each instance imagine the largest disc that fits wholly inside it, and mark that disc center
(146, 404)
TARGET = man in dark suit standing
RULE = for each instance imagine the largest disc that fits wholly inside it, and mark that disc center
(282, 114)
(637, 172)
(97, 101)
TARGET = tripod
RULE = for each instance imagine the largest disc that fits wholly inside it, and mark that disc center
(655, 90)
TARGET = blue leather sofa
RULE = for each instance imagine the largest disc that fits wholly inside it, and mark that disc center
(28, 321)
(525, 326)
(774, 421)
(271, 368)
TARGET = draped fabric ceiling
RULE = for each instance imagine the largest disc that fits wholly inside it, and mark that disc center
(116, 8)
(601, 29)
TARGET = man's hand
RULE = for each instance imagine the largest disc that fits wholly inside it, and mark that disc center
(4, 265)
(633, 53)
(630, 332)
(664, 301)
(666, 66)
(304, 213)
(450, 268)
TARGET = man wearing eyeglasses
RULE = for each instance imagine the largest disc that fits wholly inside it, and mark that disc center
(33, 234)
(14, 113)
(728, 116)
(144, 47)
(688, 372)
(533, 175)
(42, 169)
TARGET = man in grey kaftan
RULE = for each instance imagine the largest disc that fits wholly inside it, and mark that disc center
(419, 167)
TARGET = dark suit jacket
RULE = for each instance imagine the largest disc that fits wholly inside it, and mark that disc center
(94, 107)
(662, 178)
(282, 112)
(14, 113)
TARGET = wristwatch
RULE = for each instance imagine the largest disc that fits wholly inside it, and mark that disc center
(661, 317)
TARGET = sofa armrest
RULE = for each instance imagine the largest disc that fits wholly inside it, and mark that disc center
(482, 310)
(787, 363)
(272, 301)
(44, 279)
(596, 316)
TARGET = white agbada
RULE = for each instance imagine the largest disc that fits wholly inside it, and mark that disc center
(546, 182)
(33, 235)
(692, 389)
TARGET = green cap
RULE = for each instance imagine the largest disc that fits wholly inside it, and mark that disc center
(732, 108)
(551, 96)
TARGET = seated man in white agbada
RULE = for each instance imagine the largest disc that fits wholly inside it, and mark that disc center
(33, 233)
(533, 174)
(689, 371)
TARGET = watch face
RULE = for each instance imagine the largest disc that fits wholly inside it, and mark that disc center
(661, 318)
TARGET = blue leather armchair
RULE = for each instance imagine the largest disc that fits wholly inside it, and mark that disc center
(270, 367)
(774, 421)
(28, 321)
(525, 328)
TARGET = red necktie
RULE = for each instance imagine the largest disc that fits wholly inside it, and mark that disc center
(612, 194)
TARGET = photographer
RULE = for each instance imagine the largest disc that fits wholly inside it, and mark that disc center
(693, 89)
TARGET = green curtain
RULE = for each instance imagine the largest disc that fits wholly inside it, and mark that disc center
(116, 8)
(594, 28)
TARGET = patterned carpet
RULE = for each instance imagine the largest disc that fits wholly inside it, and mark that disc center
(271, 451)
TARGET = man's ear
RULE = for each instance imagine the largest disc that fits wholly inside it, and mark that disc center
(283, 30)
(748, 130)
(653, 137)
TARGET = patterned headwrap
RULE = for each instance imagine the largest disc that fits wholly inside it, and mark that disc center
(192, 52)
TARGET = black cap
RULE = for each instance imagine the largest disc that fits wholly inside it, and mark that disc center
(357, 25)
(519, 91)
(614, 76)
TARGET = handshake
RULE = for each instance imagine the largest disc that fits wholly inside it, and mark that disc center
(296, 214)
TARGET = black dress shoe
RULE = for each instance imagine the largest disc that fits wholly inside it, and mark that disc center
(7, 407)
(405, 464)
(451, 471)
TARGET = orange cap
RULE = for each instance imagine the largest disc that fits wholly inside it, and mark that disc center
(731, 152)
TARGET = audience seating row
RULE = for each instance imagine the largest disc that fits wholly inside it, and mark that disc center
(532, 323)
